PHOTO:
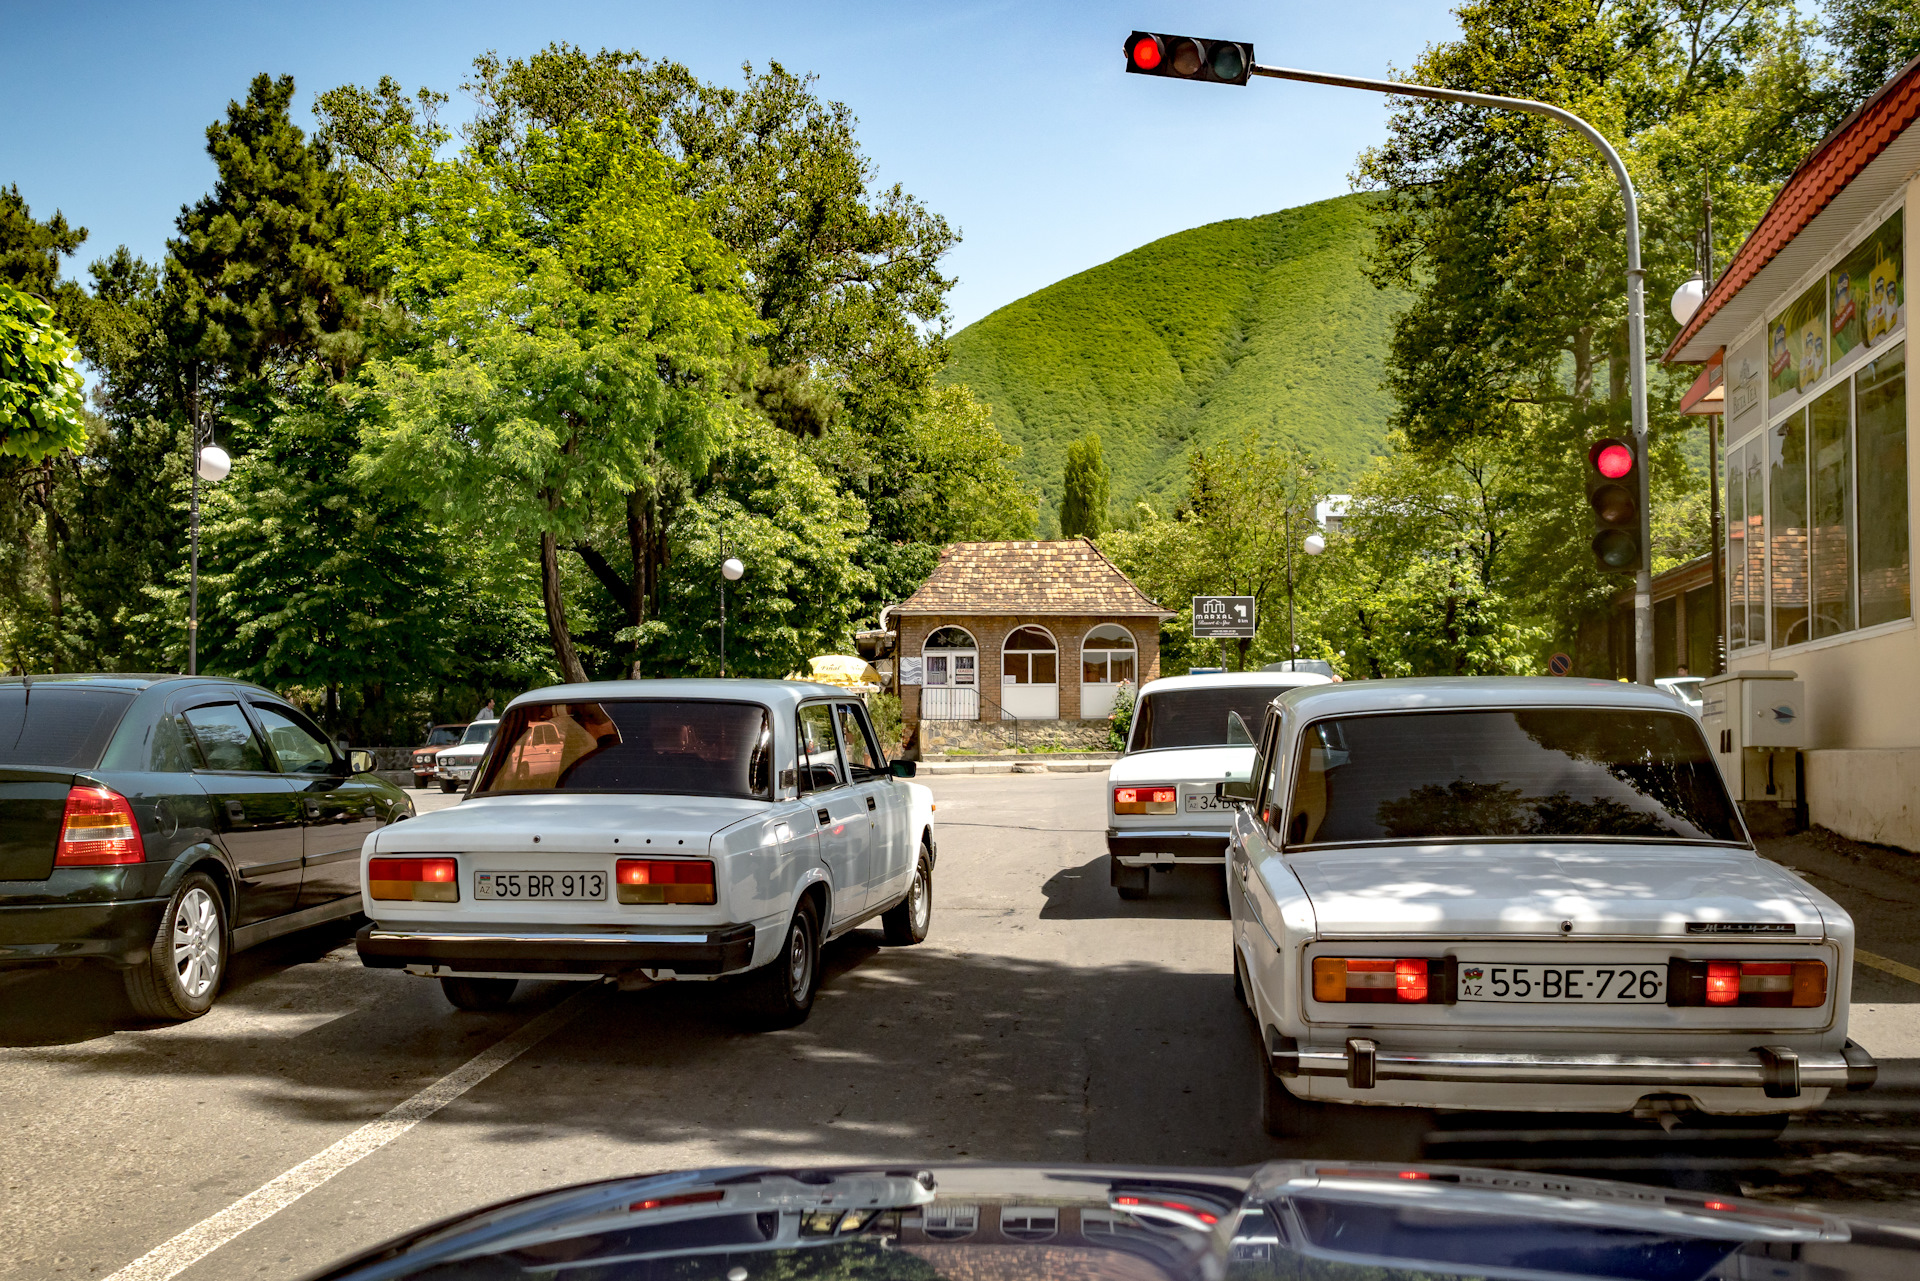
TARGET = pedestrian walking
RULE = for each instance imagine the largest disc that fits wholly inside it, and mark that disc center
(486, 712)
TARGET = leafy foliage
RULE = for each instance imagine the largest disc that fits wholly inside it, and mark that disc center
(42, 396)
(1085, 490)
(1262, 326)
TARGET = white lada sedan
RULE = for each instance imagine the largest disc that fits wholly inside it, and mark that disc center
(1189, 733)
(655, 830)
(1523, 895)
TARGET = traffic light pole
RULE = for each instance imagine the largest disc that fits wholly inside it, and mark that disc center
(1636, 306)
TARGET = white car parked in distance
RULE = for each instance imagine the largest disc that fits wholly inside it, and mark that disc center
(1189, 733)
(664, 829)
(453, 766)
(1686, 689)
(1514, 894)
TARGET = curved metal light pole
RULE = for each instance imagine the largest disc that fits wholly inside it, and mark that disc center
(1636, 305)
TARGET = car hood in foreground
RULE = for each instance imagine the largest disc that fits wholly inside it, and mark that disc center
(1182, 765)
(1341, 1221)
(562, 821)
(1652, 890)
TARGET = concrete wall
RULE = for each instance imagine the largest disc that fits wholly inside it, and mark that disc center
(939, 737)
(1866, 795)
(990, 631)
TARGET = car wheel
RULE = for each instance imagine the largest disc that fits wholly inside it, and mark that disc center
(780, 993)
(907, 921)
(479, 995)
(181, 973)
(1239, 981)
(448, 785)
(1130, 882)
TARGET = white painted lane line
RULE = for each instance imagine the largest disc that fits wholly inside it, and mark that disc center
(1887, 965)
(197, 1242)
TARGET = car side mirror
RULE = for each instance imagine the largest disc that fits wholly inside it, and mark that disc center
(903, 769)
(1239, 790)
(360, 761)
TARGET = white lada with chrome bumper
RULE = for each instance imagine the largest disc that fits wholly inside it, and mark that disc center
(655, 830)
(1523, 895)
(1188, 734)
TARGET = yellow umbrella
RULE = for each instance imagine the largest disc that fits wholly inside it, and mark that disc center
(844, 670)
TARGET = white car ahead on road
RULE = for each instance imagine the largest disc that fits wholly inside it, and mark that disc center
(1189, 733)
(1517, 894)
(665, 829)
(453, 766)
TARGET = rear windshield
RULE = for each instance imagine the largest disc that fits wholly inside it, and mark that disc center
(682, 748)
(1541, 773)
(63, 726)
(1227, 716)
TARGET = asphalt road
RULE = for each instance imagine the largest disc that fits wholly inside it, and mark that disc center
(1044, 1020)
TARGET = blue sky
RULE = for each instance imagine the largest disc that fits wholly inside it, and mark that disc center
(1015, 121)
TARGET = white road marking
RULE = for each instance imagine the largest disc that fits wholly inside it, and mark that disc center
(173, 1257)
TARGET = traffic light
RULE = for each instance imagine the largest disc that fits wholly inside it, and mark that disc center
(1613, 491)
(1221, 62)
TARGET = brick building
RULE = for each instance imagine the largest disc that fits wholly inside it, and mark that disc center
(1038, 631)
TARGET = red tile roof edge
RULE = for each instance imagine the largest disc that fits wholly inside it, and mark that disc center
(1824, 174)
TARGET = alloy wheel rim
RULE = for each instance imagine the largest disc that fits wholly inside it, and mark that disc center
(799, 959)
(196, 943)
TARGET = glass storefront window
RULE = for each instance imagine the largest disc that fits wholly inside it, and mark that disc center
(1736, 492)
(1756, 545)
(1831, 575)
(1880, 447)
(1787, 530)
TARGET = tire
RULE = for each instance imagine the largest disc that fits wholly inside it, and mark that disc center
(908, 921)
(1129, 882)
(1131, 893)
(1239, 983)
(448, 785)
(479, 995)
(181, 974)
(780, 993)
(420, 782)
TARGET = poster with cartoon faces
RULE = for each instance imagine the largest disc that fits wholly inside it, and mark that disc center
(1883, 309)
(1864, 295)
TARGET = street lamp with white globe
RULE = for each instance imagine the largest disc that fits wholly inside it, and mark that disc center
(211, 464)
(731, 571)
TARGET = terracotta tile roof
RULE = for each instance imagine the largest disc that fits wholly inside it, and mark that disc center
(1837, 161)
(1069, 576)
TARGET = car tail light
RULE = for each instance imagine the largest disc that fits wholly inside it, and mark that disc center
(1144, 800)
(1379, 979)
(98, 830)
(1789, 984)
(652, 880)
(421, 880)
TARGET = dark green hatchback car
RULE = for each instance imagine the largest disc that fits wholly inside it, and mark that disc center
(157, 824)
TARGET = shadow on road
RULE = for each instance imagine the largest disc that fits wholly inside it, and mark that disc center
(1183, 894)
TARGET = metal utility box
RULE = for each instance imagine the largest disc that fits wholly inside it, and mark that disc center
(1756, 723)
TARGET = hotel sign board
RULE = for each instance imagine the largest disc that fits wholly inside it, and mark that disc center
(1223, 617)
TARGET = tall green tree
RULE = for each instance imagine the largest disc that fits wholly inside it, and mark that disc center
(574, 321)
(1086, 487)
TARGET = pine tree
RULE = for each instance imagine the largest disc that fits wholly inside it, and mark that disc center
(1087, 483)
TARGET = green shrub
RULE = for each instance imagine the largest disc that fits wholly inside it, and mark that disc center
(1122, 719)
(884, 709)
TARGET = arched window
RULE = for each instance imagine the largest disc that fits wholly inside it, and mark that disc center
(952, 657)
(1029, 657)
(1107, 656)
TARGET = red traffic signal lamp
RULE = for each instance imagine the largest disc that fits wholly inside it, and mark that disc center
(1221, 62)
(1613, 491)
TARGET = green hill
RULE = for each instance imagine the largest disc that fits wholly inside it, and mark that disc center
(1262, 323)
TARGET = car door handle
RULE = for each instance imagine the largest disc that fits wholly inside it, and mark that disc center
(826, 819)
(871, 805)
(312, 807)
(236, 811)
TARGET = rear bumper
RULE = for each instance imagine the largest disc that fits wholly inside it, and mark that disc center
(1779, 1071)
(715, 951)
(1145, 847)
(118, 933)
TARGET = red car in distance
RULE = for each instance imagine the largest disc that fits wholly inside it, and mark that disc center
(438, 737)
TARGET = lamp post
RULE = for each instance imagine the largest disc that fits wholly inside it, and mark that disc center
(731, 571)
(211, 464)
(1313, 545)
(1636, 303)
